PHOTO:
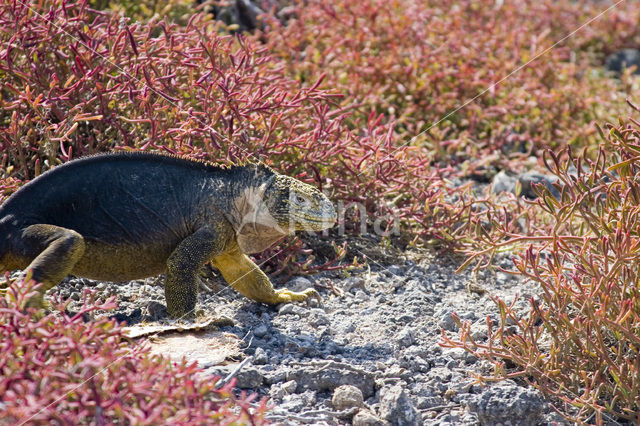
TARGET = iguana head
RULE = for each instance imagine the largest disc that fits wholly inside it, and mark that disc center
(297, 206)
(275, 205)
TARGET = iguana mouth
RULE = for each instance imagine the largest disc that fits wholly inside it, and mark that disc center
(316, 223)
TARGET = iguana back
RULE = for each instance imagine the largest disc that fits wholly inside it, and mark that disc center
(118, 198)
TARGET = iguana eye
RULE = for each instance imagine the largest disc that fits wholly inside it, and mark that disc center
(299, 199)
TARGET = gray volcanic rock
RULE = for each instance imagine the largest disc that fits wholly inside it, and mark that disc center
(622, 59)
(507, 403)
(377, 330)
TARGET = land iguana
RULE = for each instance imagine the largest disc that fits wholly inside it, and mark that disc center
(125, 216)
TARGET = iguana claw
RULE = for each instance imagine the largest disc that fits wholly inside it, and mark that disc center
(285, 296)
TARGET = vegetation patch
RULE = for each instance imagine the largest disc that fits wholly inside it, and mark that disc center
(59, 368)
(579, 342)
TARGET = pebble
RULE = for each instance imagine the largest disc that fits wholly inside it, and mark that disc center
(249, 378)
(328, 375)
(397, 408)
(445, 320)
(468, 316)
(293, 309)
(479, 330)
(300, 310)
(366, 418)
(503, 182)
(347, 396)
(299, 284)
(353, 283)
(260, 331)
(361, 296)
(460, 355)
(427, 402)
(452, 364)
(290, 386)
(505, 401)
(286, 309)
(317, 317)
(260, 356)
(405, 337)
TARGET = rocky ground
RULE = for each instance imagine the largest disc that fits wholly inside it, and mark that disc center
(369, 354)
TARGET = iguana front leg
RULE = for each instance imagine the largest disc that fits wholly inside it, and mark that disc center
(247, 279)
(181, 285)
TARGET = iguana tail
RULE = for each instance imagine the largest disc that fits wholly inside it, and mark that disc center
(5, 236)
(3, 253)
(5, 250)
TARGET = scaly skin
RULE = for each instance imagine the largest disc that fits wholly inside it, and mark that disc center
(119, 217)
(247, 279)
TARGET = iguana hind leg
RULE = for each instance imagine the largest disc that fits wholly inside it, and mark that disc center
(247, 279)
(181, 284)
(54, 250)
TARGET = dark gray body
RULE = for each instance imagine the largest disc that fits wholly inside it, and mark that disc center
(137, 206)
